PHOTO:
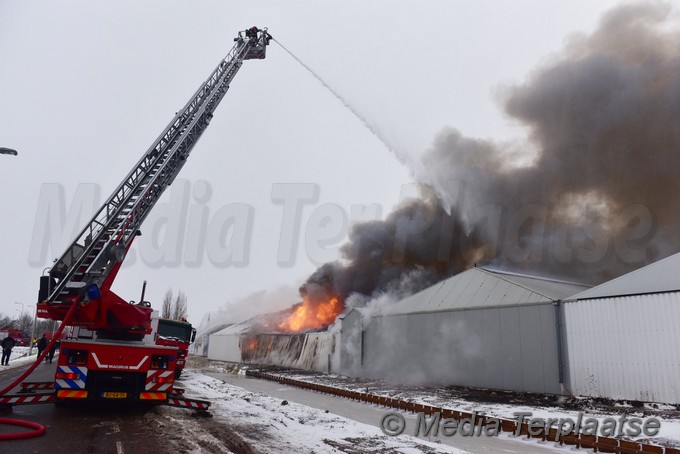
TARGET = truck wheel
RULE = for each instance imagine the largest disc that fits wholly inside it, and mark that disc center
(178, 373)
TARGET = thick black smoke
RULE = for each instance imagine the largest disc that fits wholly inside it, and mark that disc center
(419, 235)
(591, 193)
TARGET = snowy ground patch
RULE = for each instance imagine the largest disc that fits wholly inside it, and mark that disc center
(482, 401)
(19, 357)
(268, 424)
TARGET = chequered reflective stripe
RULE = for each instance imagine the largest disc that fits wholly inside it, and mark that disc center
(189, 403)
(71, 394)
(78, 383)
(152, 396)
(38, 385)
(153, 375)
(17, 400)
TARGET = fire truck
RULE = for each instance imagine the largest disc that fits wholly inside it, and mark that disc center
(175, 333)
(179, 334)
(113, 352)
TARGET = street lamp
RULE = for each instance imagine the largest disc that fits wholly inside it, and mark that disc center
(10, 151)
(35, 317)
(22, 310)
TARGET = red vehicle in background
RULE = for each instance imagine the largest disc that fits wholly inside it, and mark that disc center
(176, 333)
(50, 334)
(21, 338)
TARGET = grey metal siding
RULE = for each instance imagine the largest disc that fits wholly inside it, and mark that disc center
(625, 347)
(510, 348)
(531, 347)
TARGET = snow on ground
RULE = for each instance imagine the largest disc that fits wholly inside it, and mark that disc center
(669, 434)
(255, 422)
(269, 425)
(19, 357)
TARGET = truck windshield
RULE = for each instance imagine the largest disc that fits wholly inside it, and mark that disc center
(174, 329)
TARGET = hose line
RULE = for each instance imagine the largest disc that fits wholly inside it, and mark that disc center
(38, 429)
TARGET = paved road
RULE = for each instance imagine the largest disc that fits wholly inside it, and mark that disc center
(128, 430)
(80, 430)
(372, 415)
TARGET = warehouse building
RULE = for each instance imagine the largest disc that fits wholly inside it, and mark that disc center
(225, 344)
(311, 351)
(490, 329)
(479, 328)
(622, 339)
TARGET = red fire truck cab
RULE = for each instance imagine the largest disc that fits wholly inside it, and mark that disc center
(94, 367)
(178, 334)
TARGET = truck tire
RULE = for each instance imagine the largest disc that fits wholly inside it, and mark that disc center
(178, 373)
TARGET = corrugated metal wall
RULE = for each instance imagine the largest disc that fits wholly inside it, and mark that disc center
(624, 347)
(311, 351)
(317, 352)
(513, 348)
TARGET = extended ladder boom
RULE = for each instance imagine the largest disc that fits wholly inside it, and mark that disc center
(91, 262)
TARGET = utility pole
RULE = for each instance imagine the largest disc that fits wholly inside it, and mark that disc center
(35, 318)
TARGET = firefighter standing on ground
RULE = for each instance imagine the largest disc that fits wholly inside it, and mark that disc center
(54, 348)
(42, 343)
(8, 344)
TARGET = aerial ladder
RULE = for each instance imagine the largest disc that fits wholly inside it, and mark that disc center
(77, 289)
(86, 270)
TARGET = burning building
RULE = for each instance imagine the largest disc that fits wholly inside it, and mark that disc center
(240, 343)
(452, 332)
(498, 330)
(295, 337)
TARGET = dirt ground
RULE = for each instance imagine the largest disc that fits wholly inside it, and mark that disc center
(201, 434)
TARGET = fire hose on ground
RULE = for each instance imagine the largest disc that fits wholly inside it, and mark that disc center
(38, 429)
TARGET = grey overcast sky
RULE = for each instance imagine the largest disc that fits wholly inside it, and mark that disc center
(85, 87)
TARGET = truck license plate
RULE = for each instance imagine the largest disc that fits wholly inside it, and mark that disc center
(110, 395)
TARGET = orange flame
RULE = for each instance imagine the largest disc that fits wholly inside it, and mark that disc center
(252, 344)
(249, 347)
(309, 315)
